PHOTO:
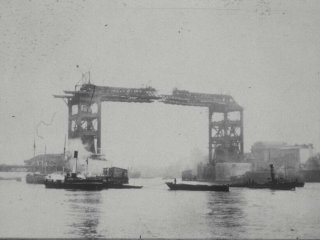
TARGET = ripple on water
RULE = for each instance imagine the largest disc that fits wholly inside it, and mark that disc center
(36, 212)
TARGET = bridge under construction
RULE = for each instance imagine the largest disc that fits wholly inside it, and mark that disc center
(84, 115)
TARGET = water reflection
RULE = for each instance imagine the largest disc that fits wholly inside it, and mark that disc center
(83, 213)
(226, 213)
(154, 211)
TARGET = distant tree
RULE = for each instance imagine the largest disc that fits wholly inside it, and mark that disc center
(313, 162)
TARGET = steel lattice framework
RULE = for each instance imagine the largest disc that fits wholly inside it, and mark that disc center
(84, 110)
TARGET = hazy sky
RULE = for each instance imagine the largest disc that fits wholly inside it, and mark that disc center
(266, 54)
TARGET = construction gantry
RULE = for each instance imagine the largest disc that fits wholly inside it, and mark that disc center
(84, 108)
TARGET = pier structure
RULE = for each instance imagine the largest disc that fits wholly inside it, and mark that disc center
(225, 134)
(84, 109)
(84, 115)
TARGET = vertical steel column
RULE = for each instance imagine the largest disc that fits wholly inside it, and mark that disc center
(210, 112)
(241, 133)
(69, 117)
(226, 141)
(99, 127)
(225, 125)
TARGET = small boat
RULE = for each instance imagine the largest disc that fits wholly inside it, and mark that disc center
(18, 179)
(122, 186)
(75, 182)
(274, 184)
(35, 178)
(191, 187)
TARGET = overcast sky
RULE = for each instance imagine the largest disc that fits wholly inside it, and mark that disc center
(266, 54)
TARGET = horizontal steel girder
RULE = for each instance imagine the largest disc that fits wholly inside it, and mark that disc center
(88, 93)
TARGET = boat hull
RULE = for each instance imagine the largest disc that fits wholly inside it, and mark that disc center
(35, 178)
(274, 186)
(75, 184)
(18, 179)
(190, 187)
(121, 186)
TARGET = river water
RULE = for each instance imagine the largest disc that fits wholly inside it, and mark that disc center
(33, 211)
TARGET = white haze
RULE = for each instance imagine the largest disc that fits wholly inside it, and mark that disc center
(264, 53)
(153, 135)
(83, 154)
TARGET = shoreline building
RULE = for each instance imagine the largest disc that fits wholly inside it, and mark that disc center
(287, 159)
(46, 163)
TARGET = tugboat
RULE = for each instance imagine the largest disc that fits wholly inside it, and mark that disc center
(191, 187)
(74, 181)
(274, 184)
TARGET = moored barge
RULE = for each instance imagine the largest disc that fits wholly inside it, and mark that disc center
(192, 187)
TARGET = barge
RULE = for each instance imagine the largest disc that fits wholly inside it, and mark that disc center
(192, 187)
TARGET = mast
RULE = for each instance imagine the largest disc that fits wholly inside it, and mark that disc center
(34, 153)
(75, 155)
(45, 159)
(285, 168)
(64, 147)
(64, 152)
(34, 147)
(272, 173)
